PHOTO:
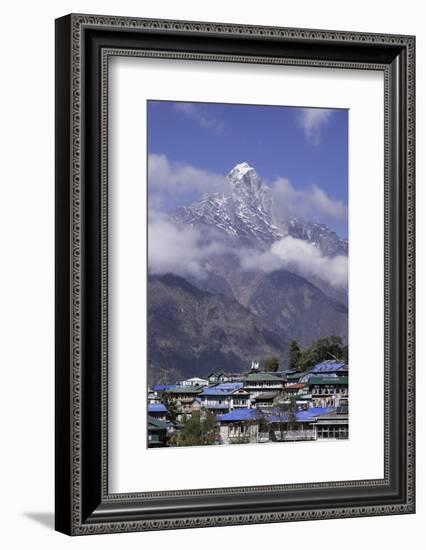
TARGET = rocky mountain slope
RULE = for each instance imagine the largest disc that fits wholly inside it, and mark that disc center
(192, 332)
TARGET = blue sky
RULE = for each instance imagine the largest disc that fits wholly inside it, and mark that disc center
(306, 147)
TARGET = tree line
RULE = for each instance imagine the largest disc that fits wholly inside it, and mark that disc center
(303, 359)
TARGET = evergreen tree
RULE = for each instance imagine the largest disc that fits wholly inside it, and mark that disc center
(324, 349)
(171, 407)
(272, 363)
(294, 354)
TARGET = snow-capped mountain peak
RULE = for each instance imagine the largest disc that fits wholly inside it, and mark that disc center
(240, 171)
(245, 212)
(245, 177)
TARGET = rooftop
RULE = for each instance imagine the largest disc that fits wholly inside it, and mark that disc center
(263, 376)
(245, 415)
(223, 389)
(329, 366)
(294, 386)
(184, 389)
(240, 415)
(163, 387)
(310, 415)
(322, 380)
(195, 381)
(294, 376)
(156, 408)
(155, 424)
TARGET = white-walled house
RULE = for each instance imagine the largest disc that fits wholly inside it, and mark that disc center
(158, 411)
(183, 397)
(239, 426)
(327, 391)
(225, 397)
(261, 382)
(335, 424)
(195, 382)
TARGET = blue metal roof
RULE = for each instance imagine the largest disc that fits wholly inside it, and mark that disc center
(308, 376)
(222, 389)
(245, 415)
(313, 412)
(329, 366)
(240, 415)
(300, 416)
(156, 408)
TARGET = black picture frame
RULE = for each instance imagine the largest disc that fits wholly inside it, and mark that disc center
(83, 504)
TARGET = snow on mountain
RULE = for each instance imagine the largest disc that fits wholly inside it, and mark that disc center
(317, 234)
(245, 212)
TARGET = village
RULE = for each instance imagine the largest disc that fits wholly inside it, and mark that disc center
(258, 406)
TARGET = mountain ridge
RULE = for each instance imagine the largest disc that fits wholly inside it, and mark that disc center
(245, 212)
(197, 332)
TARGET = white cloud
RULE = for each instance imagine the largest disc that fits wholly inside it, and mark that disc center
(196, 113)
(312, 121)
(166, 178)
(186, 251)
(298, 256)
(313, 203)
(179, 250)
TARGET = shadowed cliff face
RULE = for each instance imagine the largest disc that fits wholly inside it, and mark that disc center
(297, 308)
(192, 332)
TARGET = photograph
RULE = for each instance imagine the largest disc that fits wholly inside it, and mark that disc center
(247, 288)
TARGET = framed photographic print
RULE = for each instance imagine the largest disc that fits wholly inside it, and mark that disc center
(234, 272)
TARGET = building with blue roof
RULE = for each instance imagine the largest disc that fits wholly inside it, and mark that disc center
(327, 367)
(240, 426)
(222, 389)
(225, 397)
(240, 415)
(158, 411)
(251, 407)
(255, 426)
(156, 393)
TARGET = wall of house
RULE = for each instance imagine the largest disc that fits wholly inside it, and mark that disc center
(27, 273)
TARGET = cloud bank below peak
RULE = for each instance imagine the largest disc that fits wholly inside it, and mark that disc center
(300, 257)
(180, 250)
(186, 251)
